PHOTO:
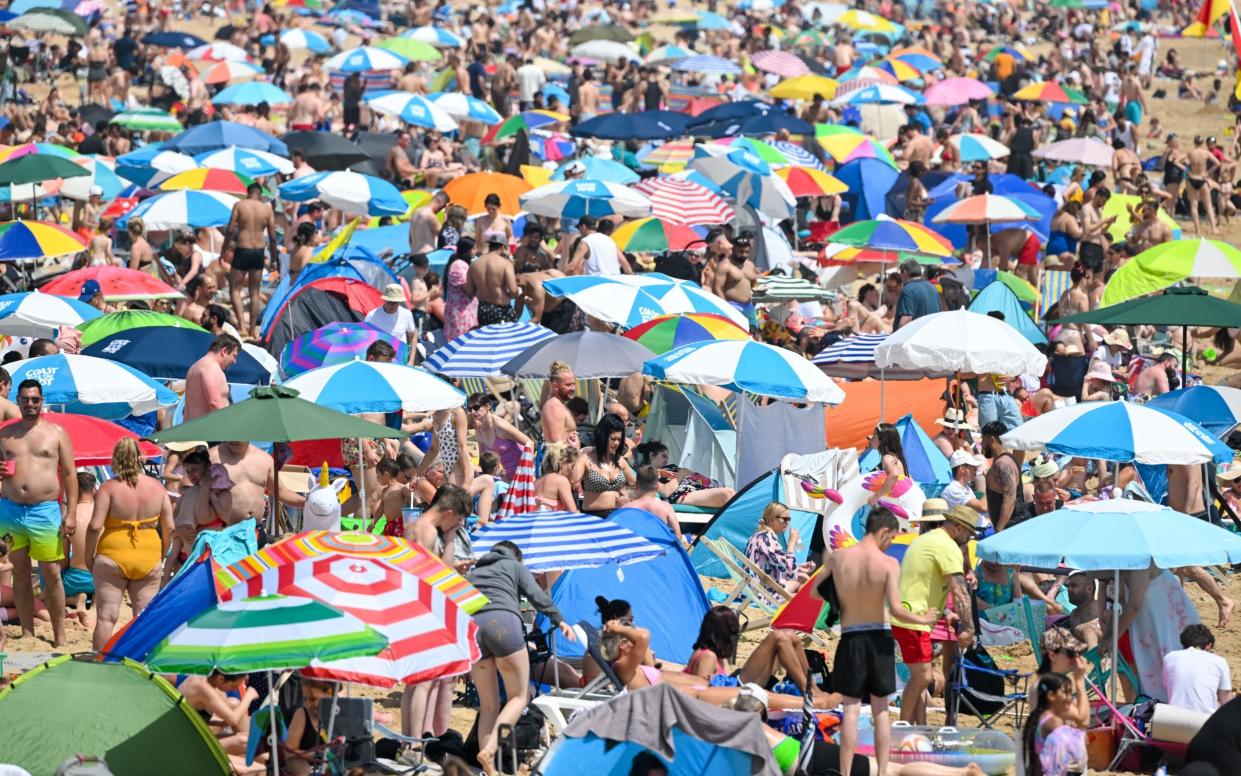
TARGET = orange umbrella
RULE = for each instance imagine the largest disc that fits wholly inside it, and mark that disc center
(469, 191)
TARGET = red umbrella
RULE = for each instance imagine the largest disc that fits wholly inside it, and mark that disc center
(93, 438)
(118, 284)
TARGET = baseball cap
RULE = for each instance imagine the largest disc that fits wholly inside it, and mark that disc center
(962, 458)
(89, 289)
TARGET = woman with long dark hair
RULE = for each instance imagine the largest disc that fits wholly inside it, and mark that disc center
(602, 470)
(460, 306)
(887, 440)
(1053, 742)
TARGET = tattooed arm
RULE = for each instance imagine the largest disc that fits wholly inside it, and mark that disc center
(1003, 478)
(961, 605)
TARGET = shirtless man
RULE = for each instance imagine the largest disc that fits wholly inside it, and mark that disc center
(229, 718)
(555, 418)
(865, 579)
(37, 463)
(201, 291)
(399, 168)
(1084, 619)
(1094, 230)
(307, 110)
(206, 387)
(494, 282)
(1202, 166)
(919, 147)
(411, 81)
(1126, 166)
(97, 54)
(647, 487)
(252, 476)
(185, 509)
(1003, 479)
(424, 226)
(1155, 380)
(842, 56)
(735, 277)
(251, 218)
(8, 409)
(118, 85)
(1149, 231)
(588, 96)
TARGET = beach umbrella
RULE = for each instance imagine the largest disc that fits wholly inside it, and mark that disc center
(168, 352)
(853, 358)
(35, 240)
(208, 179)
(124, 320)
(960, 341)
(94, 438)
(899, 69)
(592, 355)
(413, 50)
(101, 175)
(350, 191)
(119, 284)
(707, 63)
(91, 386)
(869, 182)
(429, 635)
(215, 135)
(598, 169)
(350, 17)
(753, 367)
(659, 335)
(774, 289)
(1049, 91)
(50, 20)
(179, 209)
(977, 147)
(664, 54)
(577, 198)
(223, 72)
(645, 125)
(1016, 52)
(809, 182)
(336, 343)
(325, 150)
(526, 121)
(1217, 408)
(797, 155)
(782, 63)
(1118, 207)
(1170, 263)
(253, 93)
(465, 107)
(685, 202)
(893, 235)
(483, 351)
(918, 57)
(956, 91)
(605, 51)
(370, 386)
(864, 75)
(36, 314)
(218, 51)
(365, 58)
(865, 22)
(150, 166)
(987, 209)
(763, 150)
(305, 39)
(147, 119)
(471, 190)
(629, 300)
(878, 94)
(747, 179)
(436, 36)
(758, 125)
(1118, 431)
(671, 155)
(1080, 150)
(805, 87)
(36, 168)
(651, 235)
(555, 541)
(600, 32)
(412, 109)
(710, 20)
(245, 161)
(40, 149)
(174, 39)
(845, 144)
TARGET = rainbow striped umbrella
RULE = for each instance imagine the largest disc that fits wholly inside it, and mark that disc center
(763, 150)
(1049, 91)
(985, 209)
(809, 182)
(652, 235)
(209, 179)
(677, 152)
(919, 57)
(899, 68)
(36, 239)
(526, 120)
(43, 149)
(844, 144)
(1018, 54)
(890, 234)
(336, 343)
(659, 335)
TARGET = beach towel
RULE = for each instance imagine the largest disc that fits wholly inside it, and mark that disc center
(228, 545)
(1052, 285)
(1156, 630)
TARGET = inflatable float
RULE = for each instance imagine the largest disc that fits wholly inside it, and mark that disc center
(992, 751)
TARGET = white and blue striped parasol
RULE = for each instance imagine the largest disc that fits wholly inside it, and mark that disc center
(745, 365)
(629, 300)
(91, 386)
(798, 155)
(706, 63)
(436, 36)
(747, 179)
(352, 192)
(246, 161)
(375, 386)
(306, 39)
(482, 351)
(879, 94)
(177, 209)
(36, 314)
(412, 109)
(252, 93)
(577, 198)
(553, 541)
(854, 358)
(364, 58)
(465, 107)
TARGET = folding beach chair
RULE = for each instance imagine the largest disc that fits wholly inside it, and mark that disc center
(559, 705)
(1100, 674)
(984, 691)
(754, 587)
(1131, 737)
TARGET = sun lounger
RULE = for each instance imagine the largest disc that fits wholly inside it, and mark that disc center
(755, 589)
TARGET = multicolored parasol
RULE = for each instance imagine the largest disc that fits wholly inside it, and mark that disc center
(844, 144)
(36, 239)
(209, 179)
(1049, 91)
(659, 335)
(526, 120)
(336, 343)
(652, 235)
(113, 323)
(890, 234)
(809, 182)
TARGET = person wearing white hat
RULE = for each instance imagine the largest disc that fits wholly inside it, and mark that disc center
(394, 317)
(1098, 383)
(954, 433)
(960, 492)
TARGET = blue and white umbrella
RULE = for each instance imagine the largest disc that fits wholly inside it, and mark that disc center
(344, 17)
(879, 94)
(179, 209)
(577, 198)
(797, 154)
(977, 147)
(36, 314)
(91, 386)
(482, 351)
(412, 109)
(373, 386)
(854, 358)
(1217, 408)
(252, 93)
(306, 39)
(245, 161)
(364, 58)
(706, 63)
(746, 179)
(554, 541)
(465, 107)
(436, 36)
(150, 166)
(745, 365)
(1119, 431)
(629, 300)
(599, 169)
(352, 192)
(101, 174)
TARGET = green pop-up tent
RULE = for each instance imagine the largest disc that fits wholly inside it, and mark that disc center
(130, 718)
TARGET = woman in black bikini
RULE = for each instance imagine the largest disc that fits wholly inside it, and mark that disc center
(602, 471)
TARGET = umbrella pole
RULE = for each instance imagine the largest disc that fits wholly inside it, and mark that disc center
(366, 515)
(274, 721)
(1115, 629)
(882, 386)
(1185, 356)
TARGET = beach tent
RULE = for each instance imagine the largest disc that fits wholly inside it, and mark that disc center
(998, 297)
(869, 181)
(698, 434)
(1012, 186)
(133, 720)
(665, 592)
(191, 592)
(363, 269)
(927, 466)
(690, 737)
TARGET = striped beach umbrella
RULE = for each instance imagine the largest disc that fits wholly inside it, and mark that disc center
(364, 58)
(91, 386)
(782, 63)
(526, 121)
(900, 69)
(42, 149)
(520, 498)
(245, 161)
(147, 119)
(119, 284)
(263, 633)
(412, 109)
(878, 94)
(482, 351)
(675, 152)
(706, 63)
(651, 235)
(659, 335)
(854, 358)
(369, 386)
(336, 343)
(36, 240)
(890, 234)
(629, 300)
(577, 198)
(781, 288)
(218, 51)
(229, 69)
(977, 147)
(555, 541)
(112, 323)
(178, 209)
(1016, 52)
(809, 182)
(762, 149)
(1049, 91)
(208, 179)
(753, 367)
(747, 179)
(436, 36)
(919, 57)
(352, 192)
(844, 144)
(797, 155)
(465, 107)
(36, 314)
(865, 75)
(305, 39)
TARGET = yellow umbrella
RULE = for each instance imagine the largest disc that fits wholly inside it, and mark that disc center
(536, 176)
(810, 182)
(805, 87)
(865, 21)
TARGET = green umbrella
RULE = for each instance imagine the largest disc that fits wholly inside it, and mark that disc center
(413, 50)
(1184, 307)
(55, 20)
(1169, 263)
(274, 414)
(36, 168)
(147, 119)
(600, 32)
(106, 325)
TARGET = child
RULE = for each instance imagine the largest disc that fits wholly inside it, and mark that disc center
(1054, 741)
(77, 578)
(488, 487)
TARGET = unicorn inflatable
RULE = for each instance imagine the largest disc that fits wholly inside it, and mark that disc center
(322, 510)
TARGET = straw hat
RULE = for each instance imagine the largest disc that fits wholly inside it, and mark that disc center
(1230, 472)
(1101, 371)
(955, 418)
(1119, 338)
(500, 383)
(964, 516)
(393, 293)
(933, 510)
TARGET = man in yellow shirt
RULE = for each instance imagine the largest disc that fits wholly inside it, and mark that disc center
(933, 567)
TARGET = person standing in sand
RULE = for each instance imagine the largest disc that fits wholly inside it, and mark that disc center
(494, 282)
(251, 219)
(735, 278)
(424, 226)
(206, 386)
(37, 458)
(238, 484)
(556, 420)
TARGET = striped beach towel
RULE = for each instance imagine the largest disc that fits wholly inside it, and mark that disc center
(1052, 286)
(520, 498)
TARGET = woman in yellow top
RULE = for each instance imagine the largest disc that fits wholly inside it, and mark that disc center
(127, 539)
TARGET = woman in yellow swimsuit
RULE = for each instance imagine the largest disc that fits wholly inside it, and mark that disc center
(127, 539)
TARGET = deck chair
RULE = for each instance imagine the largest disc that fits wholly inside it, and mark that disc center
(754, 587)
(1099, 676)
(1131, 735)
(984, 691)
(558, 706)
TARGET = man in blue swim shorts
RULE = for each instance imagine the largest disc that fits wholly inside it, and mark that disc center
(735, 277)
(36, 461)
